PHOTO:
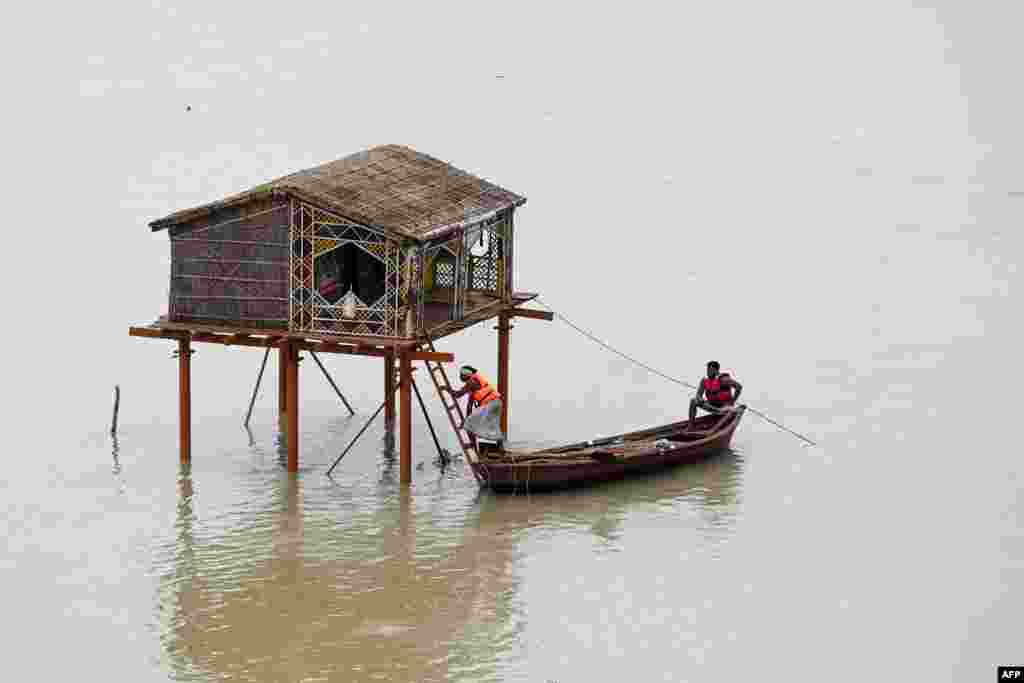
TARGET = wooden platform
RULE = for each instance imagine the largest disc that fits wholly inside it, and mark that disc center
(484, 310)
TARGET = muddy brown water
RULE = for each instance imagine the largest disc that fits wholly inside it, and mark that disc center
(826, 200)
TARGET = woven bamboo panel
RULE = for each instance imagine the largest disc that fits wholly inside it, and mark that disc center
(233, 270)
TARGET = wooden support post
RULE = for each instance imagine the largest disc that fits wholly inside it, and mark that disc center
(185, 398)
(503, 329)
(292, 408)
(282, 385)
(389, 393)
(405, 413)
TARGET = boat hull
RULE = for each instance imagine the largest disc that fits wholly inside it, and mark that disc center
(548, 476)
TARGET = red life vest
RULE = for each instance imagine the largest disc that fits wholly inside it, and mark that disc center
(714, 391)
(486, 393)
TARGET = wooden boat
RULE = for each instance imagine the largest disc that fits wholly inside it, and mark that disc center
(613, 457)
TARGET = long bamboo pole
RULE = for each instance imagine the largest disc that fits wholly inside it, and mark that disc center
(255, 389)
(117, 405)
(426, 416)
(333, 385)
(356, 437)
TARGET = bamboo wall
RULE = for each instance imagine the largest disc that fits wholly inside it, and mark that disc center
(233, 266)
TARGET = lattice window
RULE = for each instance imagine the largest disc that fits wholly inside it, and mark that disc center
(444, 272)
(354, 278)
(485, 247)
(484, 274)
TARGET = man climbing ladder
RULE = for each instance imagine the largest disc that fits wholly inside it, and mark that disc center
(485, 422)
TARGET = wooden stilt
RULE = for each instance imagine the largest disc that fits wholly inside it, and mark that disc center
(282, 385)
(389, 392)
(292, 408)
(405, 415)
(185, 398)
(503, 329)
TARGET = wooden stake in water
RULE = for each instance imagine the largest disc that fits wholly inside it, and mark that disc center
(117, 404)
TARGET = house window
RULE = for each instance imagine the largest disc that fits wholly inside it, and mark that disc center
(349, 268)
(444, 270)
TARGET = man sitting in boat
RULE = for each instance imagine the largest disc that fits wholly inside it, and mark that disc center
(715, 393)
(485, 422)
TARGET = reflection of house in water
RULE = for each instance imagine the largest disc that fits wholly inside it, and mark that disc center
(295, 597)
(390, 590)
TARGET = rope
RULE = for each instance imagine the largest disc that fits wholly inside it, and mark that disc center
(662, 374)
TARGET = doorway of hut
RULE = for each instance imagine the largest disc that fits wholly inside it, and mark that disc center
(439, 287)
(349, 278)
(455, 287)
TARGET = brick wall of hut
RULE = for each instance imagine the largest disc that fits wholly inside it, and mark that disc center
(232, 266)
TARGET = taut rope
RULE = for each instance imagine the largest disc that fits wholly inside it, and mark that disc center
(647, 367)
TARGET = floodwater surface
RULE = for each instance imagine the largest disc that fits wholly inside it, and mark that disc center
(827, 202)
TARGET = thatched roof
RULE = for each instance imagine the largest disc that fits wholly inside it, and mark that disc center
(393, 188)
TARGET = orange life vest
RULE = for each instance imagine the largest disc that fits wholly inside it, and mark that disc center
(714, 391)
(486, 393)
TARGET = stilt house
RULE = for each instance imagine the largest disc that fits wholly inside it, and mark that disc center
(387, 243)
(377, 254)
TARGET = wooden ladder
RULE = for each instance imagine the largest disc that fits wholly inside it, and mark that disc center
(451, 406)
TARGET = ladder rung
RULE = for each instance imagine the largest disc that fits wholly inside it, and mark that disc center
(440, 378)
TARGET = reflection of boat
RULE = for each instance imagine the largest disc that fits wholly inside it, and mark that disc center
(614, 457)
(711, 488)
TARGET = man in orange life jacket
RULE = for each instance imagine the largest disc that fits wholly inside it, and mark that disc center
(715, 392)
(485, 422)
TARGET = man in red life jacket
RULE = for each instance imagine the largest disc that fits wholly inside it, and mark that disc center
(716, 392)
(485, 422)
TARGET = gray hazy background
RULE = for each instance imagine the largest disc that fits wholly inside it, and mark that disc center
(825, 197)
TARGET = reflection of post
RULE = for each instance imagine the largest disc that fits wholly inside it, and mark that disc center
(292, 355)
(503, 328)
(404, 543)
(290, 530)
(185, 399)
(389, 393)
(185, 561)
(185, 508)
(405, 428)
(405, 525)
(218, 602)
